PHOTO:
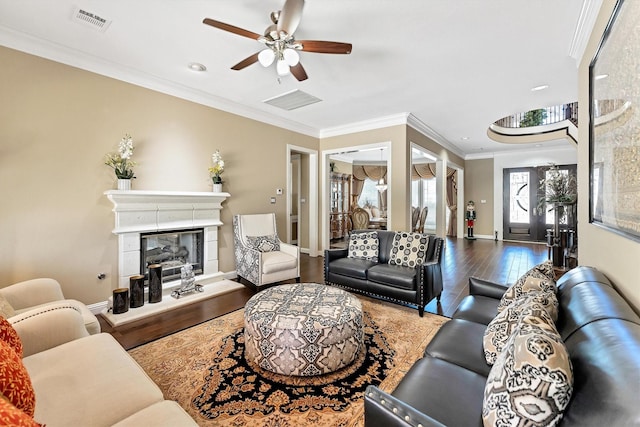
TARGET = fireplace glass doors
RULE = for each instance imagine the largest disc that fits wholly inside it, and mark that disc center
(171, 249)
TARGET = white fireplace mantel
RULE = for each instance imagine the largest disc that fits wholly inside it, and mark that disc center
(139, 212)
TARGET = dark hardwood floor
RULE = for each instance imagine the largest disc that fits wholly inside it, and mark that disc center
(502, 262)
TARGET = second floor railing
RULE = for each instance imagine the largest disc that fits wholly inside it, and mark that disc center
(541, 116)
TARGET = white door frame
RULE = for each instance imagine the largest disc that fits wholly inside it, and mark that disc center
(312, 198)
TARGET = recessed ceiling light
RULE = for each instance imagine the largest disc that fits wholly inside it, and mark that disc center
(464, 138)
(601, 76)
(195, 66)
(541, 87)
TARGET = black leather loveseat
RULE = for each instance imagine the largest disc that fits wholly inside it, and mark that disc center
(600, 331)
(399, 284)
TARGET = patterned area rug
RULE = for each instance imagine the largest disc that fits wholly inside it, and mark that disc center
(203, 368)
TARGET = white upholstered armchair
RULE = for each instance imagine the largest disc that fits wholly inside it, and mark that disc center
(26, 298)
(261, 257)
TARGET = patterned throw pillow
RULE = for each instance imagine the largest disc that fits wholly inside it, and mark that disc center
(542, 271)
(538, 308)
(6, 310)
(10, 336)
(12, 416)
(364, 246)
(409, 249)
(264, 243)
(15, 384)
(531, 382)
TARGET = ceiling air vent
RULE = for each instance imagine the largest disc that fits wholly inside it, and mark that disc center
(292, 100)
(90, 19)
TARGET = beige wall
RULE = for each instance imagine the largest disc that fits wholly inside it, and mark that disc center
(478, 186)
(615, 255)
(58, 122)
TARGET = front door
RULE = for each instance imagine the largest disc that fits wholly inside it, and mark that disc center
(520, 199)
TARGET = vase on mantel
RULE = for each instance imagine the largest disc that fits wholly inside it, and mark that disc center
(217, 188)
(124, 184)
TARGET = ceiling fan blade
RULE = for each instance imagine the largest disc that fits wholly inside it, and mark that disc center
(290, 16)
(319, 46)
(299, 72)
(231, 28)
(246, 62)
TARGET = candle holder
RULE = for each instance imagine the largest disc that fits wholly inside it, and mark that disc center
(136, 291)
(155, 283)
(120, 300)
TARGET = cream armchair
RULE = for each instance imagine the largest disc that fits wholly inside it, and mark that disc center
(37, 294)
(261, 257)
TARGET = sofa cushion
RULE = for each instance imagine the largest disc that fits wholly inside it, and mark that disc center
(433, 386)
(12, 416)
(263, 243)
(521, 286)
(364, 246)
(393, 275)
(90, 378)
(351, 267)
(9, 335)
(460, 342)
(15, 384)
(536, 307)
(531, 382)
(273, 262)
(409, 249)
(162, 414)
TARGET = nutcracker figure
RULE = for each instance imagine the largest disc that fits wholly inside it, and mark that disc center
(470, 216)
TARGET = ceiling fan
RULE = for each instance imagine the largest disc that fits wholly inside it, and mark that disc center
(281, 46)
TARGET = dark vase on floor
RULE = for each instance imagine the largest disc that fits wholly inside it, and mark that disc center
(155, 283)
(120, 300)
(136, 290)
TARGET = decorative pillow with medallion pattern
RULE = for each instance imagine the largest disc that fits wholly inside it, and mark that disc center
(264, 243)
(539, 308)
(531, 382)
(542, 271)
(409, 249)
(364, 246)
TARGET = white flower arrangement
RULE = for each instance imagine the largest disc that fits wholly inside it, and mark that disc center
(121, 161)
(218, 167)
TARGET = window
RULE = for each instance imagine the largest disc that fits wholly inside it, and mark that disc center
(369, 195)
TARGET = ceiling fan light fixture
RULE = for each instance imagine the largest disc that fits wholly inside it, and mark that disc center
(282, 67)
(291, 57)
(266, 57)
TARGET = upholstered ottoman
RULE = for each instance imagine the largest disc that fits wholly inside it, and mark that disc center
(302, 329)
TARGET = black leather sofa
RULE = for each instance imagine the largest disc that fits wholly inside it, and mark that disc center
(600, 330)
(395, 283)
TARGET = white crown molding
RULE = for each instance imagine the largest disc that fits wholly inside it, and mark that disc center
(78, 59)
(421, 127)
(365, 125)
(584, 26)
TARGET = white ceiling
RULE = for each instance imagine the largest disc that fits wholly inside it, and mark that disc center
(451, 66)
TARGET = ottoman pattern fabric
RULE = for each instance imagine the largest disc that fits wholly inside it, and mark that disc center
(302, 329)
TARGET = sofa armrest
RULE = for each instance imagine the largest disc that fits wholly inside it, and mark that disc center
(431, 276)
(382, 410)
(330, 255)
(33, 292)
(47, 327)
(486, 288)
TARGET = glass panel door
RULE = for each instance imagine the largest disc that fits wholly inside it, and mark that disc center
(519, 199)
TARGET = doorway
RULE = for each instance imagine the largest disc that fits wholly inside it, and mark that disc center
(302, 198)
(522, 192)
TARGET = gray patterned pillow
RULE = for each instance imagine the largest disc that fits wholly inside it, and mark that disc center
(263, 243)
(364, 246)
(531, 382)
(409, 249)
(541, 271)
(539, 308)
